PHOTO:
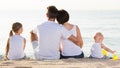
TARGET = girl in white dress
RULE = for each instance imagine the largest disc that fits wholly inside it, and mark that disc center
(16, 43)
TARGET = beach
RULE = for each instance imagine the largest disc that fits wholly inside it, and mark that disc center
(65, 63)
(89, 22)
(90, 16)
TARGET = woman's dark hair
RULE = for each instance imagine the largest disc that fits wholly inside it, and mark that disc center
(62, 16)
(15, 27)
(52, 11)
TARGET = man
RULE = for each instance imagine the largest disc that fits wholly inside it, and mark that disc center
(49, 35)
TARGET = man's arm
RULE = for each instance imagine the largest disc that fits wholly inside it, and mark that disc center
(77, 40)
(34, 36)
(74, 40)
(67, 35)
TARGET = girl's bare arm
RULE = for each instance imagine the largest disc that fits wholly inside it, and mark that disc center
(7, 49)
(24, 43)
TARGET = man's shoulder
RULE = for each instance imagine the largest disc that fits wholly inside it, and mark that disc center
(51, 24)
(42, 23)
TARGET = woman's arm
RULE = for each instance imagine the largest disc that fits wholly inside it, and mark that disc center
(24, 43)
(79, 37)
(107, 49)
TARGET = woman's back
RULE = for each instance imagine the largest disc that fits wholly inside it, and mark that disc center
(16, 47)
(68, 47)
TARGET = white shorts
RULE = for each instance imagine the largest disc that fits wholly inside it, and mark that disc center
(34, 44)
(36, 49)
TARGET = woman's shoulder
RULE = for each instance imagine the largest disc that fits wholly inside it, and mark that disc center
(76, 27)
(73, 25)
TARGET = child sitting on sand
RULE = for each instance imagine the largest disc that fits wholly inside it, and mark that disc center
(16, 43)
(96, 50)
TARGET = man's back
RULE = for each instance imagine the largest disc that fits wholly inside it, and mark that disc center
(50, 34)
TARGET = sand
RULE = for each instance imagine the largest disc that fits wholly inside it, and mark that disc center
(66, 63)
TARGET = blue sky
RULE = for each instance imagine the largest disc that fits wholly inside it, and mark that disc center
(9, 5)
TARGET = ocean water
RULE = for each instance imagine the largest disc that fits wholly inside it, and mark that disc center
(89, 22)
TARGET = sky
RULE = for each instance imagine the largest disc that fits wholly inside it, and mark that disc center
(14, 5)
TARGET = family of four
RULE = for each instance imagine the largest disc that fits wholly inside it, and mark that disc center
(51, 40)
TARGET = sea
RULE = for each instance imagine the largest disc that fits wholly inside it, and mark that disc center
(89, 22)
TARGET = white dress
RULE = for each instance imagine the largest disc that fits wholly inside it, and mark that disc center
(16, 47)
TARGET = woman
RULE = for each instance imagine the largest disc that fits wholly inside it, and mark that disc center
(69, 49)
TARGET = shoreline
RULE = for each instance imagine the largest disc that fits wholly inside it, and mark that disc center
(64, 63)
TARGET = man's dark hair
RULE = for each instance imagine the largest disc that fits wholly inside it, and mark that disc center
(62, 16)
(52, 11)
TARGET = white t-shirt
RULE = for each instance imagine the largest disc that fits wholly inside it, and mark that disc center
(16, 47)
(50, 34)
(96, 50)
(68, 47)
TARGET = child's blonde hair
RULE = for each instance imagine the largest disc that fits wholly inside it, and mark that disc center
(98, 34)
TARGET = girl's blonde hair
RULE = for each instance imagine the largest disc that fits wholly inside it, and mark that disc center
(98, 34)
